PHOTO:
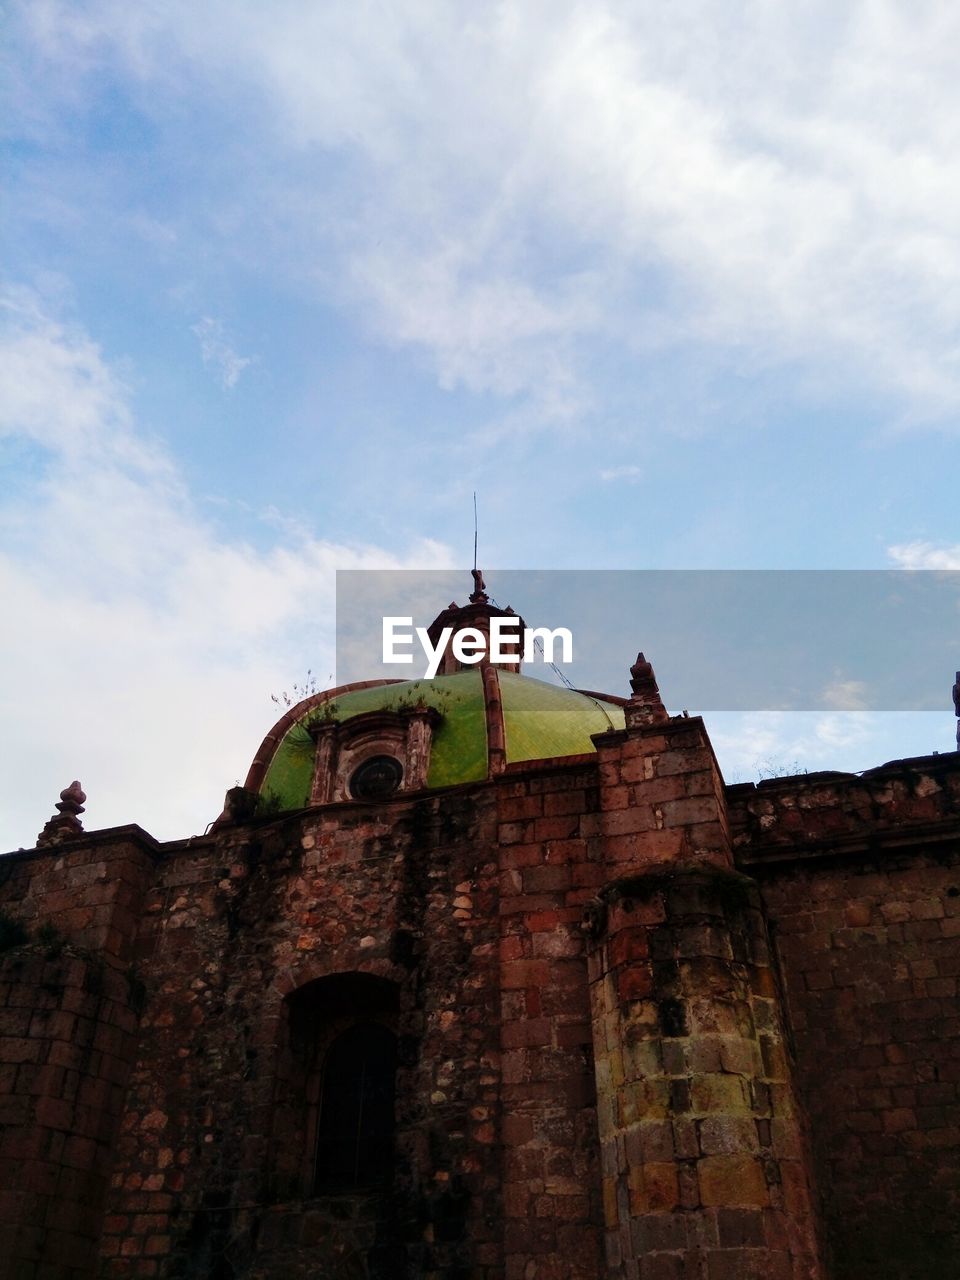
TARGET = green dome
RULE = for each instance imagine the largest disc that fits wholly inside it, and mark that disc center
(541, 721)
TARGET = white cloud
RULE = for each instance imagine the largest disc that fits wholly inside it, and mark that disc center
(778, 181)
(217, 351)
(847, 728)
(924, 555)
(629, 472)
(765, 744)
(142, 643)
(845, 695)
(58, 392)
(491, 333)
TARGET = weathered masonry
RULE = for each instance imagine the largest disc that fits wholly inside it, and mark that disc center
(486, 979)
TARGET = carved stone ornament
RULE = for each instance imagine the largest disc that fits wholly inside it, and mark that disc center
(404, 737)
(65, 823)
(644, 706)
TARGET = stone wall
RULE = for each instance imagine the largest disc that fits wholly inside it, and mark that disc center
(861, 882)
(68, 1026)
(206, 1182)
(606, 1048)
(705, 1166)
(704, 1155)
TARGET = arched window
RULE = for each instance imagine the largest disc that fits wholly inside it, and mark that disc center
(356, 1120)
(333, 1118)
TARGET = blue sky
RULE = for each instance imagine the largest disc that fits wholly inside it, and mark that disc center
(669, 286)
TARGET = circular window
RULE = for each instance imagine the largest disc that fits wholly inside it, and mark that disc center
(376, 778)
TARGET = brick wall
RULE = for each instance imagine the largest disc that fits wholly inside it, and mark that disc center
(595, 1072)
(861, 881)
(67, 1031)
(551, 859)
(705, 1168)
(68, 1027)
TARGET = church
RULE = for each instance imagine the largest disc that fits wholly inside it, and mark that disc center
(485, 978)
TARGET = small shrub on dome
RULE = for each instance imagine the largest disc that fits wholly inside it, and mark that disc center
(308, 688)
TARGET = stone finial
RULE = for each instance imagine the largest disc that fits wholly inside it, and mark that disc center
(65, 823)
(72, 799)
(479, 593)
(644, 705)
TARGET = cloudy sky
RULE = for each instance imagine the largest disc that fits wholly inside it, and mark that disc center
(670, 286)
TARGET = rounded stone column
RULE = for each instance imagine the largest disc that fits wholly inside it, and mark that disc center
(704, 1166)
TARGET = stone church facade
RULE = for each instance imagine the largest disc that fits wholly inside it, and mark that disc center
(485, 979)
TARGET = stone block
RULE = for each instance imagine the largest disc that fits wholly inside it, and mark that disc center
(714, 1092)
(634, 982)
(732, 1180)
(727, 1135)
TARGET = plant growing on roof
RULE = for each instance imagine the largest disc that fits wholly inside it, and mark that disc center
(269, 804)
(413, 699)
(301, 735)
(308, 689)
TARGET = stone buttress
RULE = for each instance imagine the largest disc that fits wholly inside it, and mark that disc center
(702, 1149)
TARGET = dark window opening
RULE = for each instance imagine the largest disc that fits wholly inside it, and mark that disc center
(376, 778)
(356, 1121)
(333, 1121)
